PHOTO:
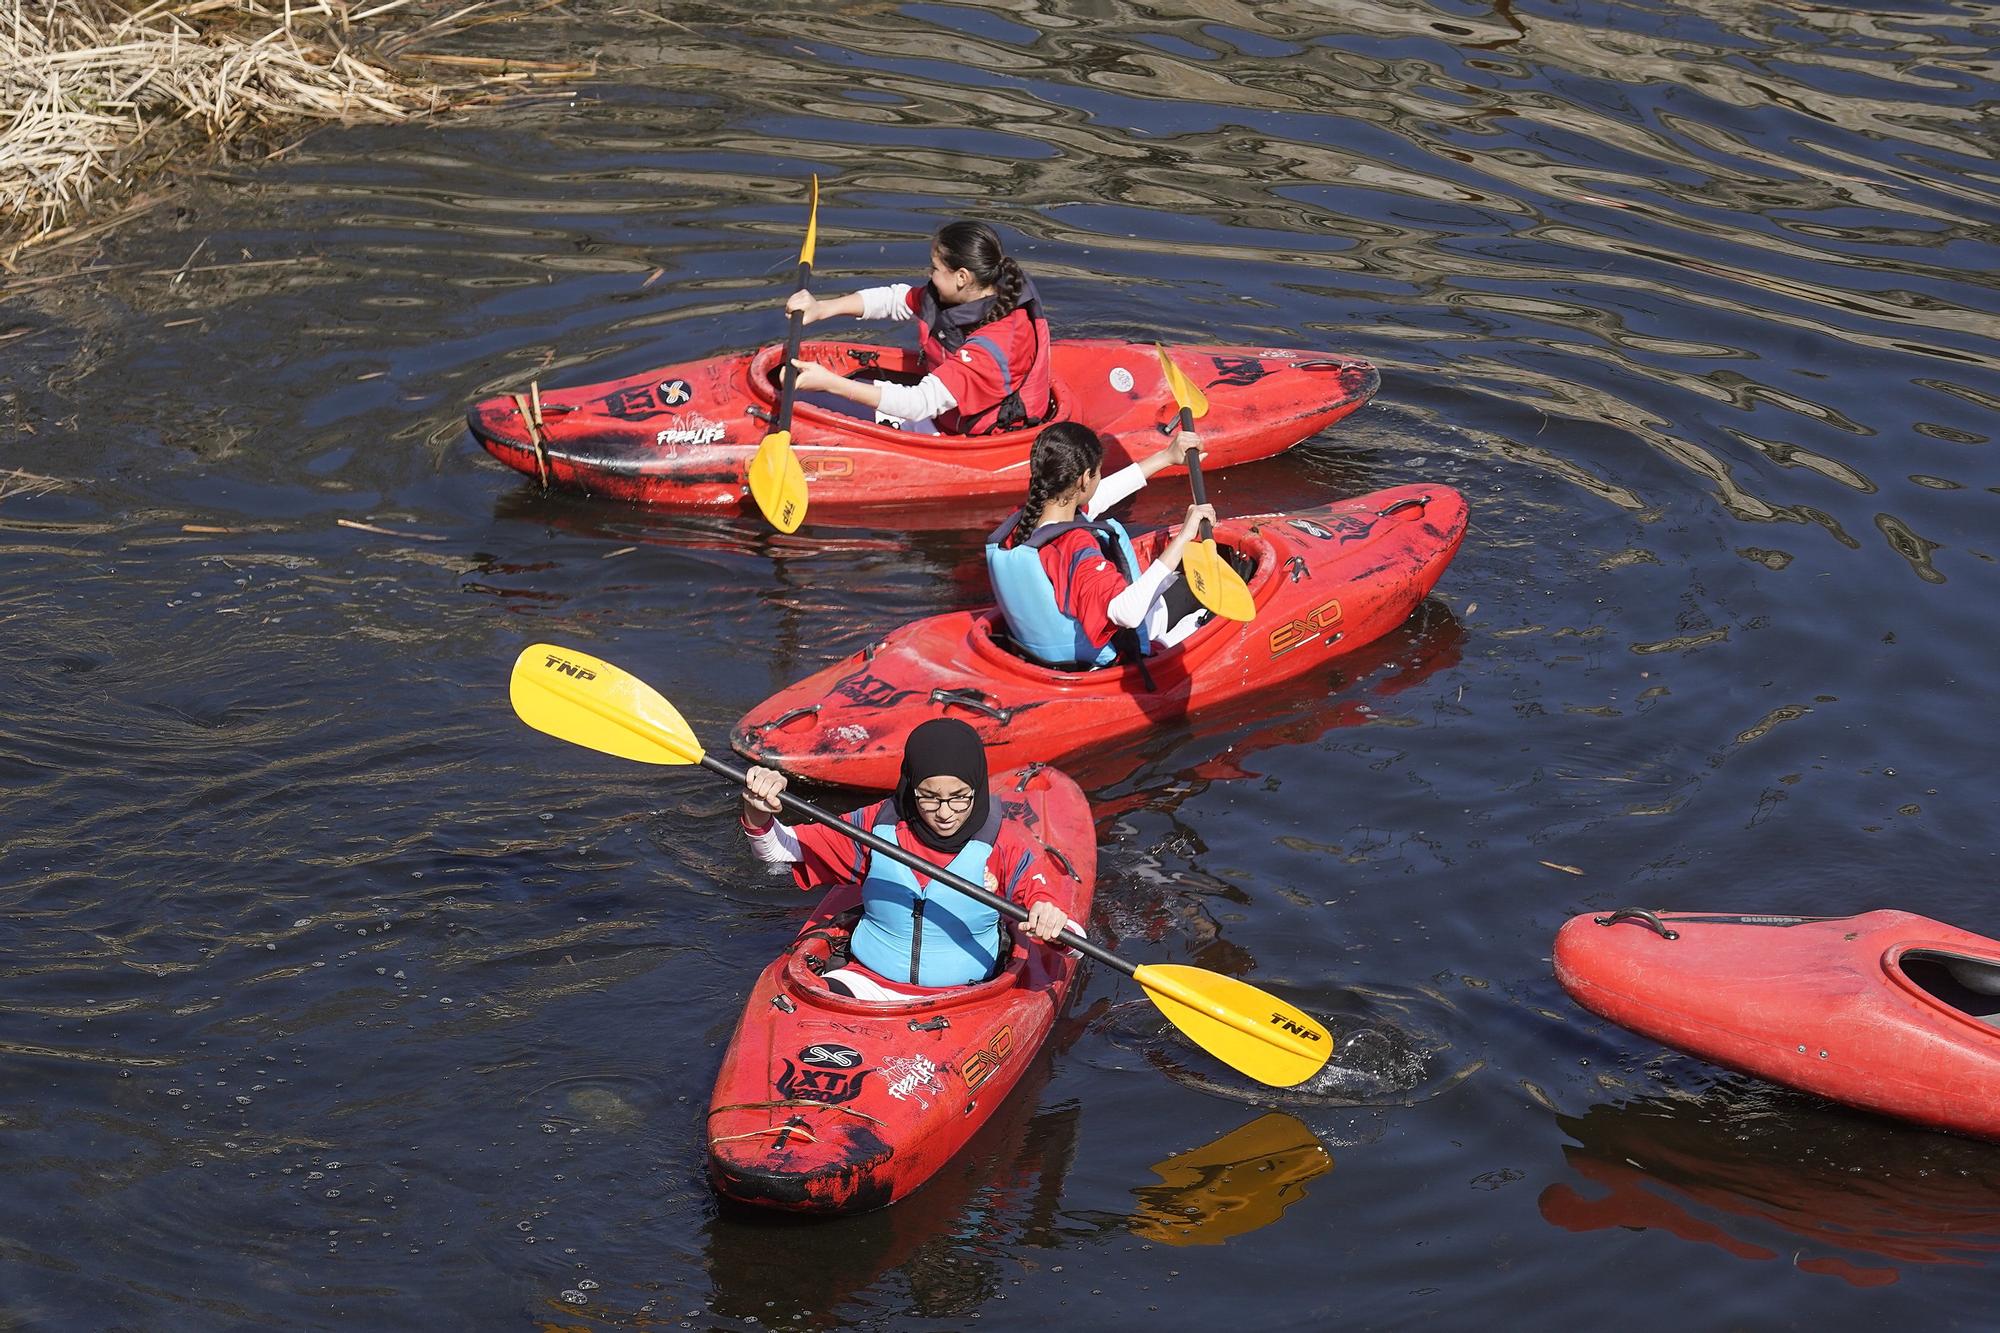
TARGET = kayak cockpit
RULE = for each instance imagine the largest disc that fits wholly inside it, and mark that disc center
(823, 948)
(894, 365)
(1969, 985)
(1247, 552)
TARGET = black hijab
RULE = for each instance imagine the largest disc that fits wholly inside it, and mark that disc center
(943, 747)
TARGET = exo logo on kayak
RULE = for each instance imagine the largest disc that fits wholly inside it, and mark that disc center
(864, 689)
(1304, 629)
(570, 668)
(979, 1066)
(819, 466)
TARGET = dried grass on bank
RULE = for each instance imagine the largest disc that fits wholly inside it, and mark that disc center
(92, 89)
(20, 483)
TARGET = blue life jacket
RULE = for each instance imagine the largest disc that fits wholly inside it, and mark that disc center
(933, 935)
(1044, 629)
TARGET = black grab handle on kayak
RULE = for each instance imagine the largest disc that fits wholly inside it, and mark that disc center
(1419, 500)
(973, 699)
(1642, 916)
(803, 710)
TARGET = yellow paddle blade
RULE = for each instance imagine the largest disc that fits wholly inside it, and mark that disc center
(586, 700)
(812, 225)
(1243, 1027)
(1232, 1186)
(1216, 585)
(778, 483)
(1186, 393)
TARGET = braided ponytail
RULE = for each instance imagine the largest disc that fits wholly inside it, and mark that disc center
(1062, 453)
(975, 247)
(1031, 512)
(1007, 289)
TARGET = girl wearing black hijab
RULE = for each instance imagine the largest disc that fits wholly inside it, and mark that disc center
(913, 930)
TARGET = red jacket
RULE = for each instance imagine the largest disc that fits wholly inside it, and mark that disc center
(998, 373)
(1085, 580)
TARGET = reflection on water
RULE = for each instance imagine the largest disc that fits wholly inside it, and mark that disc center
(1232, 1186)
(1829, 1192)
(332, 994)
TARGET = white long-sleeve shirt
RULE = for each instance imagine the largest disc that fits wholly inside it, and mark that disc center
(1144, 599)
(908, 402)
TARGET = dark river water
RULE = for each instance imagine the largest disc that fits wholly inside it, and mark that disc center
(334, 997)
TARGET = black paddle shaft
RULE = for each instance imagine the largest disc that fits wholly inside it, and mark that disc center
(788, 374)
(1194, 472)
(867, 838)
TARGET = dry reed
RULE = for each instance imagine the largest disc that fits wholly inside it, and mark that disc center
(90, 88)
(19, 483)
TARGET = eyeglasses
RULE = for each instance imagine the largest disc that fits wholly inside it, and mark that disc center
(962, 801)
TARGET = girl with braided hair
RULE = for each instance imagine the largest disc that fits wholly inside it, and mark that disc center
(980, 328)
(1067, 580)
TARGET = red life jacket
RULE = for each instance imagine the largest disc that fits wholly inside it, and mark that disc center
(1020, 335)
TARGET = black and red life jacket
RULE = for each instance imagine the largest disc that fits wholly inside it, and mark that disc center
(942, 331)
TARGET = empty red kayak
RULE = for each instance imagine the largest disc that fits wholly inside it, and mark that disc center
(1327, 581)
(684, 435)
(828, 1104)
(1886, 1011)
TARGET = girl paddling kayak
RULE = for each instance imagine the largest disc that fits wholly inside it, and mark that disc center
(1067, 580)
(911, 932)
(984, 341)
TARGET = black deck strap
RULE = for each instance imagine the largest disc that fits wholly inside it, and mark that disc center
(974, 700)
(1130, 651)
(803, 710)
(1643, 917)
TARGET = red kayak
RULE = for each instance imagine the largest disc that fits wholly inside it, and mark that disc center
(1327, 581)
(684, 435)
(827, 1104)
(1886, 1011)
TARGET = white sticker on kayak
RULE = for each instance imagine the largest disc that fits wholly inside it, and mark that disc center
(692, 428)
(1121, 379)
(1279, 354)
(912, 1076)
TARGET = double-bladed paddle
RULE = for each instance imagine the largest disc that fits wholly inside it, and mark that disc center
(1216, 585)
(582, 699)
(777, 482)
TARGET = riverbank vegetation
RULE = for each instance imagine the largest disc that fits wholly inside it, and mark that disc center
(96, 96)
